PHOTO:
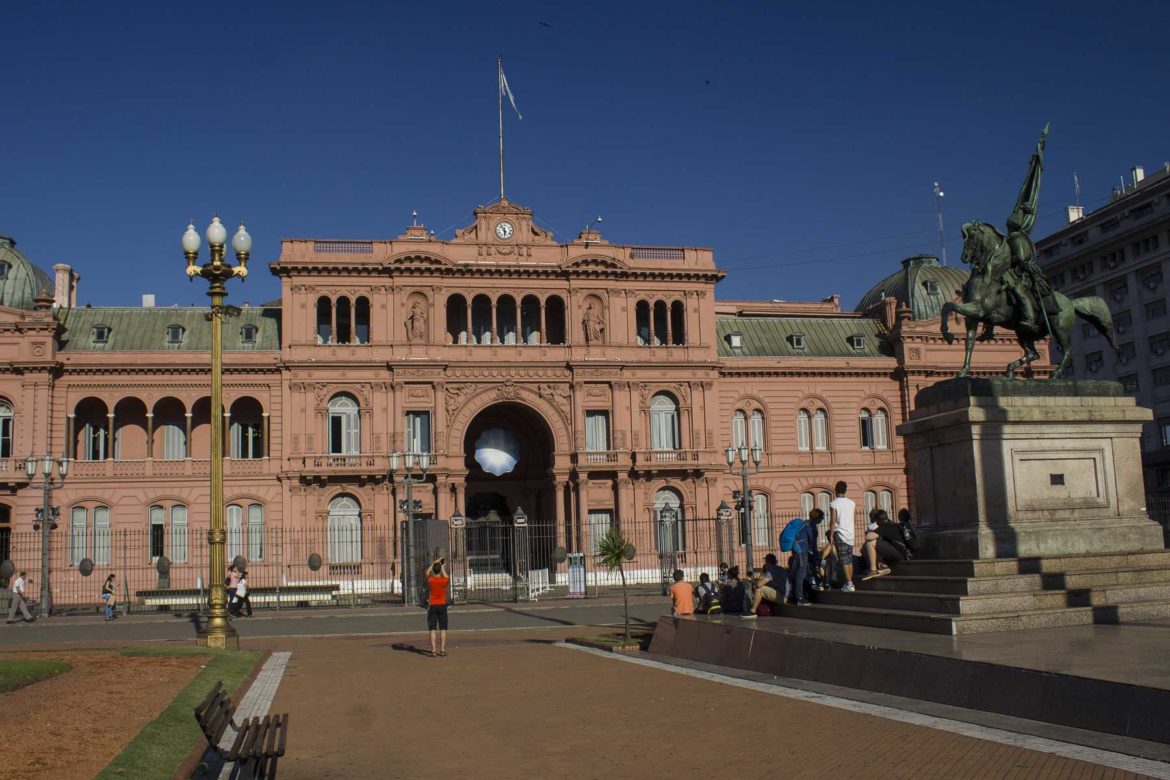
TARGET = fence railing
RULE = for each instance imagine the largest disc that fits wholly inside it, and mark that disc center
(363, 565)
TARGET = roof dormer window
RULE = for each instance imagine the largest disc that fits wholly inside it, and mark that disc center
(735, 340)
(857, 341)
(101, 334)
(175, 334)
(3, 271)
(248, 334)
(931, 286)
(796, 340)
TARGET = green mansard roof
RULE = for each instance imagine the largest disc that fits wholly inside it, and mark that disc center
(824, 337)
(146, 329)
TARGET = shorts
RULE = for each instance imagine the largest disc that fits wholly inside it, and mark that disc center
(770, 594)
(437, 617)
(844, 550)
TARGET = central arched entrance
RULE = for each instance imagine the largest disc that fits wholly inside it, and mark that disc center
(508, 454)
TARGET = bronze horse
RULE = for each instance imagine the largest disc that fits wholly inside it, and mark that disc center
(987, 301)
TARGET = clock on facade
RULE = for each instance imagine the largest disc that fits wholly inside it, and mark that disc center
(504, 230)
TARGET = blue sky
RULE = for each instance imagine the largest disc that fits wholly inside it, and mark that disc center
(799, 142)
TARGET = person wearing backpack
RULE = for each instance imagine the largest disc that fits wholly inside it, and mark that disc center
(707, 596)
(797, 539)
(909, 532)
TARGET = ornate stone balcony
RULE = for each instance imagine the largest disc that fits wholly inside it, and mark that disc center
(145, 469)
(323, 465)
(12, 472)
(667, 458)
(603, 460)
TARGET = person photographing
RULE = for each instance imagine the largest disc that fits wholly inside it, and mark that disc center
(437, 582)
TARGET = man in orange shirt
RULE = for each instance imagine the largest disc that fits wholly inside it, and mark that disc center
(437, 582)
(682, 597)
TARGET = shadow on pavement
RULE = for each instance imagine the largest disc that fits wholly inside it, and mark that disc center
(407, 648)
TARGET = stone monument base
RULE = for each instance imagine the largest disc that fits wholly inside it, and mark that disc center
(1009, 469)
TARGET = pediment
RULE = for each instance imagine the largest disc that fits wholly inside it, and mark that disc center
(596, 262)
(419, 260)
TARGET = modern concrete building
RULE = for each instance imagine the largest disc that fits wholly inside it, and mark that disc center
(1120, 252)
(610, 374)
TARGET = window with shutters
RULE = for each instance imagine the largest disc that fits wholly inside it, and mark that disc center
(344, 426)
(664, 432)
(418, 431)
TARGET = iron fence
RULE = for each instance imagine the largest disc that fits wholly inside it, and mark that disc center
(356, 566)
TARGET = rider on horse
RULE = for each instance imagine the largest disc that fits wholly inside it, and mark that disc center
(1025, 281)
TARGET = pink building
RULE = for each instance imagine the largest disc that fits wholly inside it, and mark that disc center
(611, 374)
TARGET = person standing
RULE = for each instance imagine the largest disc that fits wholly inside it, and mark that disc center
(108, 597)
(242, 599)
(682, 598)
(233, 580)
(841, 511)
(17, 601)
(437, 582)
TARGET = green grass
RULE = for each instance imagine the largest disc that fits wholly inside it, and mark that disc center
(162, 745)
(17, 674)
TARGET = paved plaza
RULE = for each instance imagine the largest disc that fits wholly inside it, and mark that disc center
(513, 700)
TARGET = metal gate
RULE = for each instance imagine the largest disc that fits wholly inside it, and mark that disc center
(490, 556)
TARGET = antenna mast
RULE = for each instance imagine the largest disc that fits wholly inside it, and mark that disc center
(500, 114)
(942, 241)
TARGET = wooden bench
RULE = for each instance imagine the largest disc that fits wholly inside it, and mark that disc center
(259, 741)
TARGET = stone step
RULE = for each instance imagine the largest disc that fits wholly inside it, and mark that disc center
(1008, 566)
(934, 623)
(952, 604)
(1105, 577)
(960, 586)
(1129, 594)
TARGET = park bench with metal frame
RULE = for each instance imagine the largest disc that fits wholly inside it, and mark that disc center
(324, 594)
(259, 742)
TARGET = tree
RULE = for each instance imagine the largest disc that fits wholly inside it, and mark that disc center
(614, 550)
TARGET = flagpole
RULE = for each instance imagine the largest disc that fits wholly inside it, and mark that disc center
(500, 113)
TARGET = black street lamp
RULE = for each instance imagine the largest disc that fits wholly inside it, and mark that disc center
(46, 515)
(745, 470)
(408, 506)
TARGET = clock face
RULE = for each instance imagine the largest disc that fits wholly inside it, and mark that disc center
(504, 230)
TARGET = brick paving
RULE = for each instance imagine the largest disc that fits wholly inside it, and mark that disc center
(511, 704)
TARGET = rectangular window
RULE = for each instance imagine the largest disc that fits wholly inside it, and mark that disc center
(101, 535)
(255, 532)
(1152, 279)
(1162, 376)
(761, 522)
(1123, 322)
(1119, 290)
(1160, 343)
(174, 442)
(758, 430)
(1125, 352)
(247, 440)
(418, 431)
(866, 431)
(597, 431)
(178, 534)
(1088, 332)
(1129, 382)
(802, 432)
(738, 430)
(5, 432)
(1156, 310)
(1093, 362)
(94, 438)
(1164, 430)
(78, 530)
(599, 524)
(664, 429)
(158, 522)
(880, 436)
(820, 431)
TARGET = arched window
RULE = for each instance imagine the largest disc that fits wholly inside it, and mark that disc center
(758, 439)
(324, 320)
(457, 318)
(235, 531)
(344, 321)
(344, 426)
(761, 523)
(866, 423)
(678, 323)
(361, 320)
(886, 502)
(661, 318)
(506, 319)
(739, 429)
(101, 535)
(78, 533)
(6, 419)
(345, 530)
(530, 319)
(664, 433)
(823, 500)
(642, 320)
(820, 430)
(554, 319)
(247, 429)
(178, 535)
(881, 437)
(481, 320)
(672, 538)
(807, 503)
(93, 431)
(255, 532)
(870, 503)
(803, 430)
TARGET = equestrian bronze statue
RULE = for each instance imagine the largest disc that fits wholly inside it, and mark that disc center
(1006, 288)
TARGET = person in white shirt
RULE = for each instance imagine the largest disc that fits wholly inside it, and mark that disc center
(17, 601)
(841, 511)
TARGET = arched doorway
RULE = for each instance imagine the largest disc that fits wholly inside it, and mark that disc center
(508, 453)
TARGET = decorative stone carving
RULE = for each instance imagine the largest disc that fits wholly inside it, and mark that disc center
(453, 397)
(596, 393)
(558, 394)
(644, 392)
(684, 393)
(593, 325)
(619, 439)
(509, 391)
(418, 393)
(416, 323)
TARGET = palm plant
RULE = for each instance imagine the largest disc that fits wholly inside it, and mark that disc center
(614, 550)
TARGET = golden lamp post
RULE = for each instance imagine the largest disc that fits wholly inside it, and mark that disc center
(218, 632)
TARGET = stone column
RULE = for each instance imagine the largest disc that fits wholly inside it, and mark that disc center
(265, 437)
(559, 508)
(543, 325)
(442, 498)
(149, 434)
(495, 337)
(187, 442)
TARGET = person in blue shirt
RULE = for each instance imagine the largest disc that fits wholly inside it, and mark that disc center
(804, 550)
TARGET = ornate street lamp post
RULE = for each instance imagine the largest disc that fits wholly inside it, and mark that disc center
(46, 515)
(218, 632)
(408, 506)
(745, 470)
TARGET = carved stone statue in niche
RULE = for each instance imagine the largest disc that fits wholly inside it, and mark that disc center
(416, 323)
(593, 325)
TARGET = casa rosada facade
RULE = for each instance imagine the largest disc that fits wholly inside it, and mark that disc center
(611, 375)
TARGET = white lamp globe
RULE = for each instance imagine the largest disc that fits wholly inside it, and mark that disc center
(241, 241)
(191, 239)
(216, 232)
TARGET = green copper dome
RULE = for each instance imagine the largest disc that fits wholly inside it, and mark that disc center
(20, 280)
(922, 286)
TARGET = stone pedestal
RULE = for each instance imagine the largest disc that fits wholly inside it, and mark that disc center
(1010, 469)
